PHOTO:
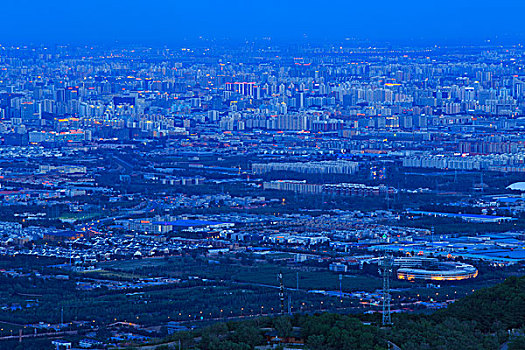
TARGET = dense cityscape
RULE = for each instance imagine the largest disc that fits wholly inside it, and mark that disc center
(148, 192)
(262, 175)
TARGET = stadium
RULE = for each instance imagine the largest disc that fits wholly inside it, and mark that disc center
(431, 269)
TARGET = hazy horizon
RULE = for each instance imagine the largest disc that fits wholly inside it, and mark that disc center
(165, 22)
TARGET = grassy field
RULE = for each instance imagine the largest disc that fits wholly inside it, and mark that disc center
(257, 274)
(208, 292)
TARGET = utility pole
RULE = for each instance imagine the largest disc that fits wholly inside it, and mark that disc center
(481, 184)
(341, 287)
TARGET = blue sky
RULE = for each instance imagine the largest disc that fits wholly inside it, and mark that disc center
(172, 21)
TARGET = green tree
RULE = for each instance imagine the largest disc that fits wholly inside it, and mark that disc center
(283, 326)
(517, 343)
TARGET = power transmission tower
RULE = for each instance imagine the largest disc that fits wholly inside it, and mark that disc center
(385, 266)
(281, 291)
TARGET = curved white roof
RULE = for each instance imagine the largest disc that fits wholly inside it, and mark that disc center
(517, 186)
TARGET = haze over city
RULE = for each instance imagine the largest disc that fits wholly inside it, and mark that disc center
(172, 22)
